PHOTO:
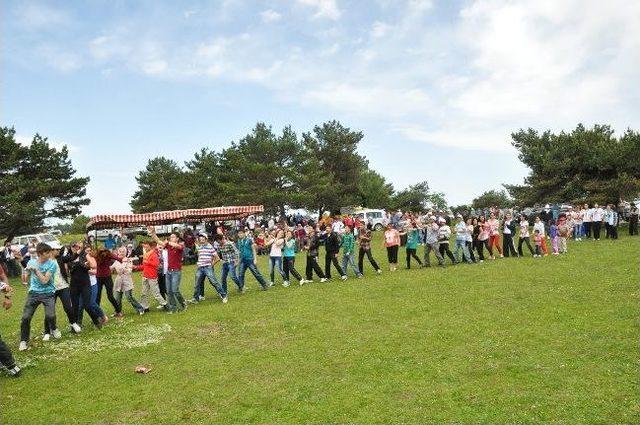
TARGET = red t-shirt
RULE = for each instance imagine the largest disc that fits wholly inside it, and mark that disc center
(104, 267)
(175, 257)
(150, 265)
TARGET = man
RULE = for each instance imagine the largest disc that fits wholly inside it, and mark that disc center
(175, 248)
(230, 257)
(508, 232)
(598, 218)
(110, 242)
(634, 212)
(6, 358)
(40, 275)
(247, 249)
(431, 243)
(332, 247)
(207, 258)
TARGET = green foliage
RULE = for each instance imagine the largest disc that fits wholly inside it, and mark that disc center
(374, 190)
(162, 186)
(417, 198)
(492, 198)
(202, 180)
(79, 224)
(584, 165)
(38, 182)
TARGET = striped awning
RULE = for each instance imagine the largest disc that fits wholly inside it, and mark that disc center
(109, 221)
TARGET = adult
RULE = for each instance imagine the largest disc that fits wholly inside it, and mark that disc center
(175, 248)
(461, 231)
(524, 236)
(587, 219)
(634, 212)
(508, 233)
(598, 218)
(413, 239)
(63, 293)
(289, 258)
(392, 243)
(312, 246)
(444, 233)
(431, 242)
(110, 242)
(80, 287)
(493, 225)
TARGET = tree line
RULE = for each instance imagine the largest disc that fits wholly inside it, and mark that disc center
(321, 171)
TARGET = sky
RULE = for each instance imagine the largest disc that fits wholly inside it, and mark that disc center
(437, 87)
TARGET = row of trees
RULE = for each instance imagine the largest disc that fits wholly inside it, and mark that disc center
(321, 171)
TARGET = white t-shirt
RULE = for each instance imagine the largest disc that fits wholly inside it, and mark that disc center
(539, 226)
(524, 229)
(276, 248)
(597, 214)
(338, 227)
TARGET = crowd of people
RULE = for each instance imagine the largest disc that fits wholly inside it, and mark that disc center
(77, 275)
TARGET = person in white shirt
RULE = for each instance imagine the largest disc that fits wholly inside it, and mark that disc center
(539, 226)
(587, 218)
(525, 237)
(597, 216)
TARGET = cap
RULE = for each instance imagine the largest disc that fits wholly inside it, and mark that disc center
(55, 245)
(204, 235)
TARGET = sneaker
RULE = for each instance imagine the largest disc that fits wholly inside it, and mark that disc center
(201, 298)
(23, 346)
(285, 284)
(141, 312)
(270, 284)
(14, 371)
(243, 290)
(501, 256)
(46, 337)
(193, 301)
(344, 277)
(323, 280)
(76, 328)
(379, 271)
(224, 300)
(161, 307)
(57, 334)
(302, 282)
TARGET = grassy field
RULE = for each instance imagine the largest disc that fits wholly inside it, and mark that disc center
(551, 340)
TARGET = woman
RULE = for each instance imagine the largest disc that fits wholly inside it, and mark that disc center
(63, 293)
(493, 225)
(275, 242)
(469, 239)
(524, 236)
(80, 284)
(413, 238)
(482, 231)
(289, 253)
(392, 242)
(312, 246)
(124, 282)
(104, 260)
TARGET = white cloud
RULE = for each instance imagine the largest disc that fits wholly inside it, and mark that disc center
(270, 15)
(379, 29)
(323, 8)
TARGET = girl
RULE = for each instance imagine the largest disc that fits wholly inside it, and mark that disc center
(482, 238)
(104, 258)
(275, 242)
(124, 282)
(444, 233)
(553, 234)
(348, 252)
(493, 225)
(392, 242)
(538, 239)
(80, 284)
(461, 240)
(539, 226)
(63, 292)
(312, 246)
(524, 235)
(289, 252)
(469, 240)
(413, 238)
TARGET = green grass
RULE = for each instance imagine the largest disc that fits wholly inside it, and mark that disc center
(551, 340)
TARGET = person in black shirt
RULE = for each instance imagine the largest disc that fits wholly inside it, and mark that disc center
(312, 246)
(332, 247)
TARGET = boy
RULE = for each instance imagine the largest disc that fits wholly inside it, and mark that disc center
(444, 233)
(431, 242)
(42, 289)
(312, 246)
(230, 257)
(247, 249)
(175, 248)
(149, 267)
(348, 252)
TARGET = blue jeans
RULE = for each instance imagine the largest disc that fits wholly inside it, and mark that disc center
(206, 272)
(230, 268)
(349, 260)
(174, 297)
(462, 244)
(273, 263)
(249, 264)
(94, 304)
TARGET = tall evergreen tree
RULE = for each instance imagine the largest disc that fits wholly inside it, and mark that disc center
(38, 182)
(162, 186)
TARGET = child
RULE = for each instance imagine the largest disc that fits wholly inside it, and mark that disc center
(413, 238)
(461, 240)
(564, 231)
(348, 252)
(538, 240)
(312, 246)
(444, 233)
(124, 283)
(149, 267)
(539, 226)
(553, 234)
(289, 254)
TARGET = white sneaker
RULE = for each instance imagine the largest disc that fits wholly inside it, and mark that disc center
(224, 300)
(302, 282)
(323, 280)
(285, 284)
(57, 334)
(160, 307)
(379, 271)
(23, 346)
(76, 328)
(46, 337)
(344, 277)
(270, 284)
(201, 298)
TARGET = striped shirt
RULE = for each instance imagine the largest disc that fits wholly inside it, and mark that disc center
(205, 255)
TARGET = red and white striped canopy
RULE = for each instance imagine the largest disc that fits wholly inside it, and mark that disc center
(109, 221)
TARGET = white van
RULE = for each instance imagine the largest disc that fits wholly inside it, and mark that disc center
(375, 217)
(20, 241)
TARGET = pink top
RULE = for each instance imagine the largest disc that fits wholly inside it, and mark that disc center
(391, 237)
